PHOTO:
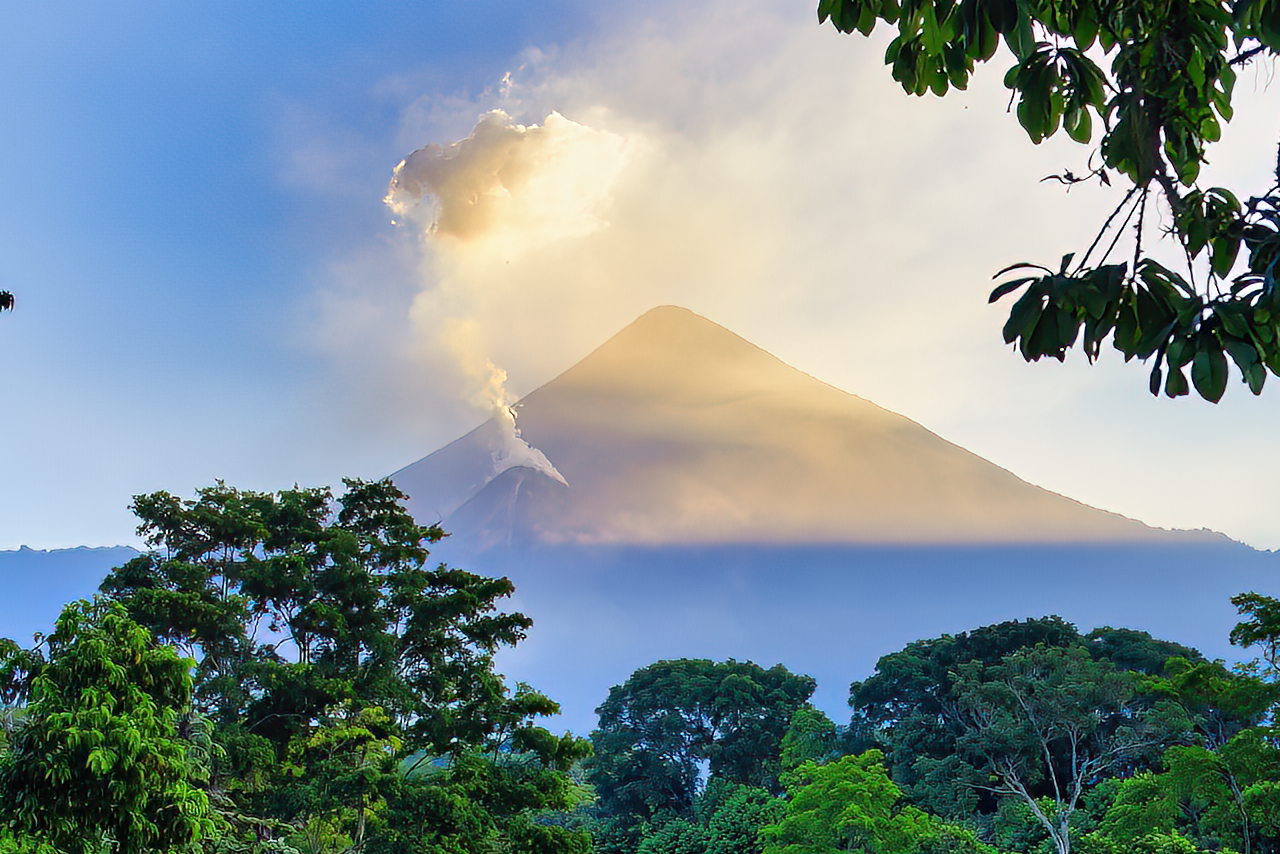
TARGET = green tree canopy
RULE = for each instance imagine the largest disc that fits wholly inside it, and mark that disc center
(1222, 798)
(850, 804)
(907, 704)
(810, 737)
(1156, 78)
(1050, 722)
(327, 650)
(98, 761)
(671, 719)
(910, 706)
(292, 605)
(1260, 629)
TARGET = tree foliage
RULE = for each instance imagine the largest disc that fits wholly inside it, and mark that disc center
(658, 729)
(909, 704)
(1214, 798)
(327, 650)
(98, 762)
(1261, 628)
(1053, 720)
(850, 804)
(1152, 80)
(292, 606)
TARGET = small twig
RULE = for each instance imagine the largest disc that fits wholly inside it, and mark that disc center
(1067, 177)
(1119, 233)
(1137, 244)
(1106, 225)
(1242, 58)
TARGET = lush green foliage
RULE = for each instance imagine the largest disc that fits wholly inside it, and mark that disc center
(99, 761)
(1160, 102)
(910, 708)
(344, 694)
(659, 728)
(845, 805)
(1012, 727)
(289, 613)
(1053, 720)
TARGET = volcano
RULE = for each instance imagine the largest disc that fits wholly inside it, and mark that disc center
(678, 431)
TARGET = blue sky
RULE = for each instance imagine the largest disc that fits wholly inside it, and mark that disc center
(161, 254)
(210, 286)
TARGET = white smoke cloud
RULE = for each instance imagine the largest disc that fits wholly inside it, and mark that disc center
(509, 185)
(503, 192)
(507, 449)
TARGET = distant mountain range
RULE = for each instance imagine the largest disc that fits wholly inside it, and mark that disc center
(682, 493)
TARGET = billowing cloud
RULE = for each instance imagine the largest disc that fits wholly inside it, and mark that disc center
(510, 184)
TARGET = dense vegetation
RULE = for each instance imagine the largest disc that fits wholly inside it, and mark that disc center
(284, 673)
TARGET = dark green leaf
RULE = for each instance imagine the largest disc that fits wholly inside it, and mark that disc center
(1078, 125)
(1008, 288)
(1209, 369)
(1242, 353)
(1086, 27)
(1223, 257)
(1256, 377)
(1024, 315)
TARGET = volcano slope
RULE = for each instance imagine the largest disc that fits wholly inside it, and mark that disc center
(715, 502)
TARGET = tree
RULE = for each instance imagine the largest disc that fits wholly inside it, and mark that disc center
(327, 650)
(733, 815)
(658, 730)
(850, 804)
(480, 802)
(1222, 798)
(1261, 629)
(811, 736)
(1050, 722)
(98, 762)
(726, 819)
(909, 707)
(292, 606)
(1161, 101)
(1219, 703)
(1137, 651)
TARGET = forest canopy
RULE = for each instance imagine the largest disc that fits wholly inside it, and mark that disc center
(286, 673)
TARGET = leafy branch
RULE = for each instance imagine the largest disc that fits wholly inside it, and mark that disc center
(1160, 103)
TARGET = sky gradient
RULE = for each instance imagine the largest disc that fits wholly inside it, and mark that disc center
(209, 284)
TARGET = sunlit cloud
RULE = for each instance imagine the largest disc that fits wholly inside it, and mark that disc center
(509, 186)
